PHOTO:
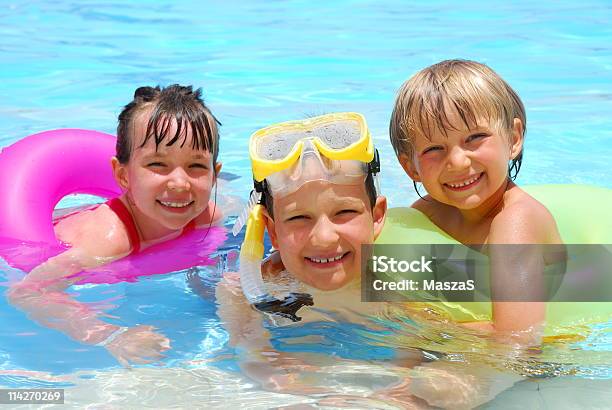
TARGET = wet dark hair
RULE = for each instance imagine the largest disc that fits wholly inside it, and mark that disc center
(268, 202)
(175, 103)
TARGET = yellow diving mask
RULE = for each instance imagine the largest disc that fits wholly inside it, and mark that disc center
(334, 147)
(338, 136)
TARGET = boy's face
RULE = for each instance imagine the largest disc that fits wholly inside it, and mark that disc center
(319, 230)
(168, 186)
(465, 167)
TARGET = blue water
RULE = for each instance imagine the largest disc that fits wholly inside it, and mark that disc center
(76, 63)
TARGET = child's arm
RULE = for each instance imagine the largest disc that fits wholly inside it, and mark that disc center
(459, 385)
(246, 332)
(41, 296)
(258, 359)
(517, 262)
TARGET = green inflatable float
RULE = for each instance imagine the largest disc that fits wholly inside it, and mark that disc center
(583, 217)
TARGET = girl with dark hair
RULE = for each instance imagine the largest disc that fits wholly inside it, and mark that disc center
(166, 165)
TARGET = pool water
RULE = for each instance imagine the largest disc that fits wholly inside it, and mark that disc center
(76, 63)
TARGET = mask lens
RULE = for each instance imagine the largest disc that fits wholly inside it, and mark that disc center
(278, 145)
(338, 134)
(312, 166)
(335, 135)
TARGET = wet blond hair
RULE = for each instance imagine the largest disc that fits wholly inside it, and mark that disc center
(471, 89)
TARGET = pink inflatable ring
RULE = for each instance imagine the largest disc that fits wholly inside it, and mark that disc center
(38, 171)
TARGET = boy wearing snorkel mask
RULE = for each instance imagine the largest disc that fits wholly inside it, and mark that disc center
(318, 201)
(315, 194)
(166, 165)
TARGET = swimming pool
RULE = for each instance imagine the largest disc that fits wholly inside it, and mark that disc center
(73, 64)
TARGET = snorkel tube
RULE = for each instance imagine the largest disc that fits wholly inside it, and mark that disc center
(251, 254)
(251, 281)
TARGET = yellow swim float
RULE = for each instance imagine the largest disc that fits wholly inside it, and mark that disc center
(583, 217)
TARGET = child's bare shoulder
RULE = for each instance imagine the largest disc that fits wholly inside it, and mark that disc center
(523, 219)
(442, 215)
(98, 232)
(432, 208)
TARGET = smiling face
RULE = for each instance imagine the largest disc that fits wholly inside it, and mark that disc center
(466, 166)
(319, 230)
(165, 187)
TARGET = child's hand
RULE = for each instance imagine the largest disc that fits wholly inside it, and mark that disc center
(459, 385)
(401, 395)
(382, 402)
(272, 265)
(280, 372)
(139, 345)
(197, 286)
(441, 388)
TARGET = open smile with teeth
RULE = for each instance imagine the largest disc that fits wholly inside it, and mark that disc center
(171, 204)
(465, 184)
(327, 260)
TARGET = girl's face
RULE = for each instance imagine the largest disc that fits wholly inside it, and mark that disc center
(319, 230)
(467, 166)
(166, 187)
